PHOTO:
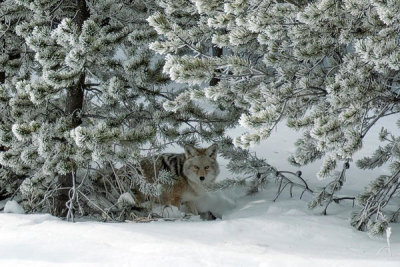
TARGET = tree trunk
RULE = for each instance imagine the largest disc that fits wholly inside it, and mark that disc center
(3, 73)
(3, 192)
(2, 81)
(216, 52)
(74, 104)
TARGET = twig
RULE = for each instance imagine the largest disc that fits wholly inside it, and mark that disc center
(337, 184)
(72, 197)
(282, 177)
(304, 186)
(95, 205)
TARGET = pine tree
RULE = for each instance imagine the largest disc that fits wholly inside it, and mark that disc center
(93, 103)
(14, 60)
(328, 68)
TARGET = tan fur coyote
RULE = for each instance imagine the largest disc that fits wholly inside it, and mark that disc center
(193, 171)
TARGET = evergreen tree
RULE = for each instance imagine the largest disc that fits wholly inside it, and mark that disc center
(92, 105)
(329, 68)
(15, 60)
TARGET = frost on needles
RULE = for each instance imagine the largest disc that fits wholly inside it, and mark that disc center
(88, 88)
(330, 69)
(82, 100)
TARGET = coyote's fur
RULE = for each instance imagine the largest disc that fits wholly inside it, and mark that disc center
(193, 171)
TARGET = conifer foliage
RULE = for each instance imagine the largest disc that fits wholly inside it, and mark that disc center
(84, 102)
(329, 68)
(15, 64)
(84, 95)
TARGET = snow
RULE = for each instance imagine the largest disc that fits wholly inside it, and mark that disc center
(257, 232)
(12, 206)
(168, 211)
(280, 145)
(127, 198)
(253, 231)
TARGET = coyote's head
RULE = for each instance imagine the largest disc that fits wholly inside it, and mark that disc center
(201, 166)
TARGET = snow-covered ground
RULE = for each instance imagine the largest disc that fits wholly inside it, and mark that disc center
(258, 232)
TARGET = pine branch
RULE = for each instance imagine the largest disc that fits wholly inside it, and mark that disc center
(284, 179)
(337, 184)
(378, 196)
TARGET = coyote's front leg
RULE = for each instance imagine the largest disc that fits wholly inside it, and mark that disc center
(191, 208)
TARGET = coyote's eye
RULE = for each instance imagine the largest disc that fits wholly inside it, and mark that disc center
(206, 167)
(196, 167)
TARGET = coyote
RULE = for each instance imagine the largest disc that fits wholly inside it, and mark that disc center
(193, 171)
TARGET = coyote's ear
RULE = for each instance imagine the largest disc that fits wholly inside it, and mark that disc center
(190, 151)
(212, 151)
